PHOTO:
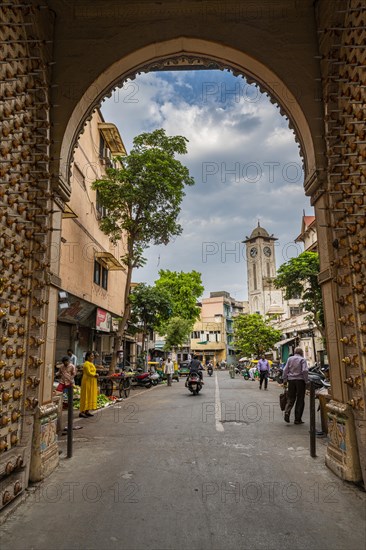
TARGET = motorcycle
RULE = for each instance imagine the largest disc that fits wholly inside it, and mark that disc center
(210, 370)
(194, 383)
(141, 379)
(276, 374)
(318, 378)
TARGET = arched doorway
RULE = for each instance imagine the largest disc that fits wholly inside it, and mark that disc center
(59, 64)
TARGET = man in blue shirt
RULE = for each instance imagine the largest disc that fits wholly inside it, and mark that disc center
(263, 369)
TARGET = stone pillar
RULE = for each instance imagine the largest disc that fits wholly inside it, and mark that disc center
(341, 219)
(25, 226)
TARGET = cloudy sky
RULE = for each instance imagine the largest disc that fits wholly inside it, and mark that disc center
(245, 163)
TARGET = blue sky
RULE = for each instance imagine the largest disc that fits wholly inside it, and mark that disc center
(245, 162)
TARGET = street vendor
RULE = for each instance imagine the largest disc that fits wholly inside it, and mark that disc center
(67, 373)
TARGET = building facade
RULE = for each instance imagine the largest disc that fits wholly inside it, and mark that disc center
(92, 279)
(212, 337)
(296, 329)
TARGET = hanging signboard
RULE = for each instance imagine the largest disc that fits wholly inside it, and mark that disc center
(103, 320)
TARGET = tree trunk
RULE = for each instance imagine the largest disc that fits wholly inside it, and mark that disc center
(123, 322)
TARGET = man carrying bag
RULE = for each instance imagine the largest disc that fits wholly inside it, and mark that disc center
(296, 372)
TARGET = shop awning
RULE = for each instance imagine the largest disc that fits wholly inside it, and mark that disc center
(283, 342)
(68, 212)
(113, 138)
(159, 345)
(110, 261)
(203, 343)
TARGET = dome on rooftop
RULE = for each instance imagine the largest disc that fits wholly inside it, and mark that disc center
(259, 232)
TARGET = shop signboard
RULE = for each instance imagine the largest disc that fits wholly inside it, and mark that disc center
(78, 311)
(103, 320)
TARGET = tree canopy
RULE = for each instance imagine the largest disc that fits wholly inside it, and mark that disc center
(299, 278)
(150, 306)
(184, 290)
(253, 336)
(177, 331)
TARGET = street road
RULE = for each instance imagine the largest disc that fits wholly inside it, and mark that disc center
(168, 470)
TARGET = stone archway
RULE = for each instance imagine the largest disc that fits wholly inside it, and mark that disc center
(327, 199)
(310, 52)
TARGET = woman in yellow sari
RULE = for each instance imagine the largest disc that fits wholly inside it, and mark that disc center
(89, 389)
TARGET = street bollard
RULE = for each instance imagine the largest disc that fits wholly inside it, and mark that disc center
(312, 421)
(70, 404)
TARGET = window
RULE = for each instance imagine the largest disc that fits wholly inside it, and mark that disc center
(100, 275)
(97, 272)
(102, 211)
(296, 310)
(79, 176)
(254, 277)
(101, 146)
(104, 278)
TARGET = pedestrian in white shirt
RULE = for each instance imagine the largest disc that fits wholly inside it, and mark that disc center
(169, 370)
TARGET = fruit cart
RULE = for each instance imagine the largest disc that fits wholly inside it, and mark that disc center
(119, 381)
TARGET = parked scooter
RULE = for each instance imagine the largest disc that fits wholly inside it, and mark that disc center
(245, 373)
(155, 378)
(194, 383)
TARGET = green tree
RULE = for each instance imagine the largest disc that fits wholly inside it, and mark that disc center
(184, 290)
(299, 279)
(252, 335)
(177, 331)
(150, 307)
(143, 198)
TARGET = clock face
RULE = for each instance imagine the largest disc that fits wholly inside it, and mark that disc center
(253, 252)
(267, 251)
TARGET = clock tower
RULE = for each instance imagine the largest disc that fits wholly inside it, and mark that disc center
(261, 271)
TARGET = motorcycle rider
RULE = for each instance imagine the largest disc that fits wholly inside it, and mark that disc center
(195, 367)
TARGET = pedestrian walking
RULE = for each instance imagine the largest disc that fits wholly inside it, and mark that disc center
(169, 370)
(89, 388)
(295, 375)
(263, 369)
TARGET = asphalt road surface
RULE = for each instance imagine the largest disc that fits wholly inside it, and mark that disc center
(166, 470)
